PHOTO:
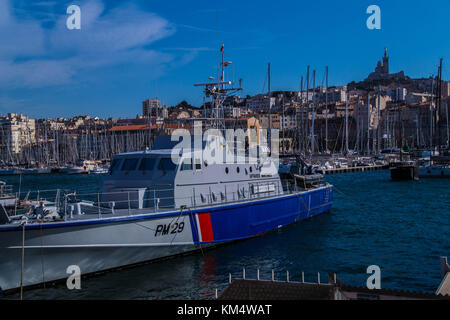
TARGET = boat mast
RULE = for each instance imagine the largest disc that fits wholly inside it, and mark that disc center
(326, 112)
(270, 111)
(378, 122)
(401, 133)
(313, 113)
(357, 115)
(439, 106)
(307, 110)
(431, 115)
(368, 123)
(218, 92)
(300, 127)
(346, 123)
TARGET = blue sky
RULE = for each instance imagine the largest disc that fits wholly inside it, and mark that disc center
(127, 51)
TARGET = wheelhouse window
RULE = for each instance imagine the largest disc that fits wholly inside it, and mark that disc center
(186, 165)
(129, 164)
(147, 164)
(166, 165)
(115, 165)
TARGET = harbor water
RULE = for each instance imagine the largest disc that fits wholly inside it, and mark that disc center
(402, 227)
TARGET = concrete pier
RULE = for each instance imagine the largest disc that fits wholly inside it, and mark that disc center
(356, 169)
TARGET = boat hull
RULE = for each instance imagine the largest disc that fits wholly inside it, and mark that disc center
(96, 245)
(434, 172)
(405, 172)
(8, 202)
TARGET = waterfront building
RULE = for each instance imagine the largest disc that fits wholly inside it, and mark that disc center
(335, 94)
(16, 132)
(260, 102)
(305, 96)
(289, 119)
(400, 94)
(446, 88)
(275, 120)
(414, 97)
(153, 108)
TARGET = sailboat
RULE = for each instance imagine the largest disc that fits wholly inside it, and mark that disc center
(438, 166)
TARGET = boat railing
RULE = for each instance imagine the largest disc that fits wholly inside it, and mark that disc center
(74, 205)
(6, 189)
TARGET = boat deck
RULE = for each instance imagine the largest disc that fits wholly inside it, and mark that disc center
(89, 210)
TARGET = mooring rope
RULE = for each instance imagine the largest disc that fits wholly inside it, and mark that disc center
(42, 257)
(23, 260)
(196, 230)
(358, 203)
(176, 221)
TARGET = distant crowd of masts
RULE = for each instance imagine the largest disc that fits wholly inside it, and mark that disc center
(60, 148)
(310, 136)
(355, 133)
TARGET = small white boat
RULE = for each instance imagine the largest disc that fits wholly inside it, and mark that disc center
(82, 167)
(435, 167)
(98, 170)
(73, 170)
(7, 198)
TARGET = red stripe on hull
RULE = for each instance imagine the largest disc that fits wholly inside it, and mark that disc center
(204, 220)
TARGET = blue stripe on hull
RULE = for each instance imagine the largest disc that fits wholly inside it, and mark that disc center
(232, 221)
(252, 219)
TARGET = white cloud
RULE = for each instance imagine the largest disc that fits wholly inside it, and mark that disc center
(32, 56)
(17, 37)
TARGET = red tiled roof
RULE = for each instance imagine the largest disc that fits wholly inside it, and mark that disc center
(137, 127)
(134, 127)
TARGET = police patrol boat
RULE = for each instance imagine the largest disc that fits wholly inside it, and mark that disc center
(152, 208)
(157, 203)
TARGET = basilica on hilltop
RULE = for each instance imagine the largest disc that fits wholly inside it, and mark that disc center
(382, 71)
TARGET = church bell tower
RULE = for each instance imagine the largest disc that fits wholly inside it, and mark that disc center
(385, 62)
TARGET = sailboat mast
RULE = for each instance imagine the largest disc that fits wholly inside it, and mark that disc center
(326, 111)
(300, 127)
(270, 110)
(431, 114)
(368, 123)
(346, 122)
(379, 122)
(307, 110)
(439, 106)
(313, 113)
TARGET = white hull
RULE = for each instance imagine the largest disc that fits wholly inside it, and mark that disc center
(74, 170)
(8, 201)
(49, 252)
